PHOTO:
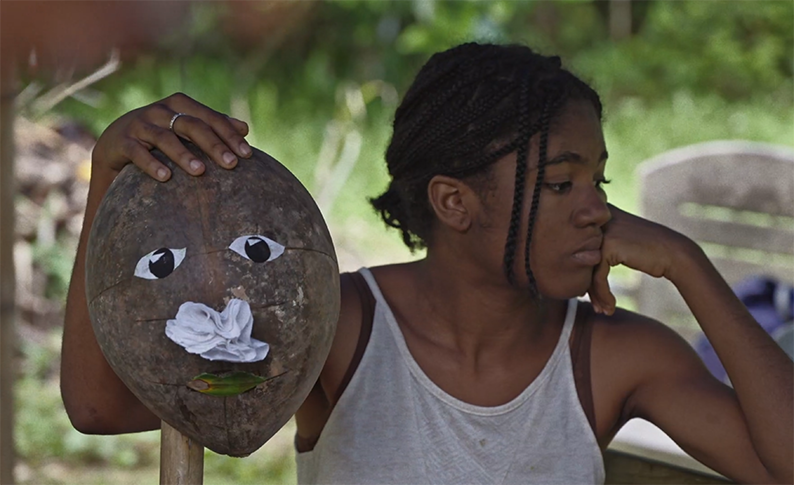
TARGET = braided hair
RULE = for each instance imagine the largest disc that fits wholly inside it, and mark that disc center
(468, 107)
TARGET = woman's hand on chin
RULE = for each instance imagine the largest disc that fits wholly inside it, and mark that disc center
(640, 244)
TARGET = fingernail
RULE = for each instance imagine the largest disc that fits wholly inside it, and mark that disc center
(596, 308)
(162, 173)
(229, 158)
(245, 149)
(195, 165)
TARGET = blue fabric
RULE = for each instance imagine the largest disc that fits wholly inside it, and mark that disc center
(769, 301)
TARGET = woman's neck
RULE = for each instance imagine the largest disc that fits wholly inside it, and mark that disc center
(468, 312)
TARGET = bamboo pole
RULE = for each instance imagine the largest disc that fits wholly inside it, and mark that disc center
(7, 277)
(181, 459)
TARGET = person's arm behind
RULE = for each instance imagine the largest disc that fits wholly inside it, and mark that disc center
(96, 400)
(94, 397)
(745, 433)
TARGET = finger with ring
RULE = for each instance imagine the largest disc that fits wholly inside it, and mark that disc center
(173, 120)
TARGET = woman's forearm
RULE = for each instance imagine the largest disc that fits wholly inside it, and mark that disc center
(94, 397)
(760, 371)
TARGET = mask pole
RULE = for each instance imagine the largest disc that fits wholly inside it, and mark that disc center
(181, 458)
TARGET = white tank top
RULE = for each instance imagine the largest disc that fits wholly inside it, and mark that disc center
(393, 425)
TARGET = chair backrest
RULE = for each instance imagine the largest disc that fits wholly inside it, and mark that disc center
(736, 199)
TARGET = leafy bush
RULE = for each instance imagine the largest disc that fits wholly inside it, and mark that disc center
(736, 50)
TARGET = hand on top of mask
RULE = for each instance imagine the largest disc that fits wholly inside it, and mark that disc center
(129, 138)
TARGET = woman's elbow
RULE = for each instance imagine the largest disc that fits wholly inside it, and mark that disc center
(86, 419)
(98, 417)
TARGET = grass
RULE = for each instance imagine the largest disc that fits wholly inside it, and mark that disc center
(635, 130)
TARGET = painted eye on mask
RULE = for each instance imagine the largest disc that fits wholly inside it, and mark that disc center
(159, 263)
(258, 249)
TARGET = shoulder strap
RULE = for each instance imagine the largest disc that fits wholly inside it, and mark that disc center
(580, 358)
(367, 315)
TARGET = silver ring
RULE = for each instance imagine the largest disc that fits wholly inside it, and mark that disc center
(173, 120)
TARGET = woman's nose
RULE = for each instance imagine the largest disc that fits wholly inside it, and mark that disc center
(593, 209)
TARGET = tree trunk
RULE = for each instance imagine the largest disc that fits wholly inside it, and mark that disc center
(7, 283)
(619, 19)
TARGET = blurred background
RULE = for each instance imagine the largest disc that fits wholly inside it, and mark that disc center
(318, 82)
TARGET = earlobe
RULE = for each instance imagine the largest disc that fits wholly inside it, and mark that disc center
(450, 199)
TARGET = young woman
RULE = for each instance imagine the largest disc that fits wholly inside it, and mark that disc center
(477, 364)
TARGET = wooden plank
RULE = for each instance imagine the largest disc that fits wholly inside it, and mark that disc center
(7, 281)
(181, 459)
(627, 468)
(767, 239)
(741, 175)
(721, 194)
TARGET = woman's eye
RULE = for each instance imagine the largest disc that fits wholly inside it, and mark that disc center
(560, 187)
(258, 249)
(600, 183)
(159, 263)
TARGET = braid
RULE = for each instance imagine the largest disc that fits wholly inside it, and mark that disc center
(542, 149)
(392, 209)
(436, 75)
(440, 131)
(476, 141)
(428, 136)
(518, 194)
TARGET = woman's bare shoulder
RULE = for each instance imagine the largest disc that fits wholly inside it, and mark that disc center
(625, 328)
(628, 351)
(633, 349)
(636, 343)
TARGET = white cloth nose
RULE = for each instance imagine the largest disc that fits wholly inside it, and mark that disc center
(217, 336)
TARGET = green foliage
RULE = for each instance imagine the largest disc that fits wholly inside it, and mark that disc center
(44, 434)
(43, 430)
(56, 260)
(270, 464)
(734, 49)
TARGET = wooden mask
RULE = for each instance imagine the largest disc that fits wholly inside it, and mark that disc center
(214, 298)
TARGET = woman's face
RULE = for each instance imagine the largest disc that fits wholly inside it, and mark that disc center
(572, 209)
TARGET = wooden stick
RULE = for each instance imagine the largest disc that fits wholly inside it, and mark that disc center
(7, 280)
(181, 459)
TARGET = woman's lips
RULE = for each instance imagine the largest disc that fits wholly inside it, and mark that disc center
(588, 257)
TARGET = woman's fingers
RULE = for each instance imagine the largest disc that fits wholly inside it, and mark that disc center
(240, 126)
(141, 157)
(600, 294)
(207, 139)
(130, 138)
(227, 130)
(168, 143)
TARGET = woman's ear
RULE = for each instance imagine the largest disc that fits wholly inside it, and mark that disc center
(452, 201)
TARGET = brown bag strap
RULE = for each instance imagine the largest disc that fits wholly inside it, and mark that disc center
(367, 315)
(580, 358)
